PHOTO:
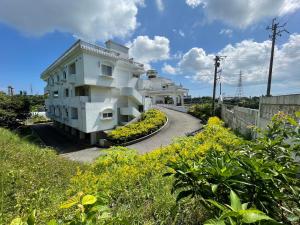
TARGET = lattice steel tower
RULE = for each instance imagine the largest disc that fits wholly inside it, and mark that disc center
(239, 89)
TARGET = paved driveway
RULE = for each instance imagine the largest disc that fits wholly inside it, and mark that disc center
(178, 125)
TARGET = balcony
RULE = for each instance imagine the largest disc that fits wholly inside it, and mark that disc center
(129, 111)
(132, 92)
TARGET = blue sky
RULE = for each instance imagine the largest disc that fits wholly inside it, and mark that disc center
(178, 38)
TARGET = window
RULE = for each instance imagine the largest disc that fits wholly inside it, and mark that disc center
(74, 113)
(66, 92)
(107, 115)
(106, 70)
(72, 68)
(57, 78)
(66, 113)
(55, 94)
(64, 75)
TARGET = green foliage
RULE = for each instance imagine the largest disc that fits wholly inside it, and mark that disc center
(138, 191)
(262, 172)
(150, 121)
(13, 109)
(237, 213)
(252, 102)
(203, 111)
(31, 178)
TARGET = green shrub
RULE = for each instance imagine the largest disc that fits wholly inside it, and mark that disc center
(263, 172)
(203, 111)
(31, 178)
(150, 121)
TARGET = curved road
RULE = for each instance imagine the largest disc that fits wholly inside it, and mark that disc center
(179, 125)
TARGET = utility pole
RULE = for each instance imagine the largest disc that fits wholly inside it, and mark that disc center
(217, 64)
(275, 33)
(217, 60)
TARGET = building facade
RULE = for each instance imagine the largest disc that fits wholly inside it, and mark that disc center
(92, 89)
(162, 90)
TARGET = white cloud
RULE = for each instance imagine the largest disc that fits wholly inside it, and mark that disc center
(160, 5)
(244, 13)
(227, 32)
(167, 68)
(249, 56)
(146, 50)
(88, 19)
(179, 32)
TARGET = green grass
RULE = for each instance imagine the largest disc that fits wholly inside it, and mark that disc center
(31, 177)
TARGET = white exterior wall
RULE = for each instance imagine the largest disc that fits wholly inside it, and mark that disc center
(106, 94)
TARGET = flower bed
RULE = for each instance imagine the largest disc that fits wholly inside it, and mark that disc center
(150, 121)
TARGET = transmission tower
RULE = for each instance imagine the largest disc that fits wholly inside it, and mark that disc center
(239, 89)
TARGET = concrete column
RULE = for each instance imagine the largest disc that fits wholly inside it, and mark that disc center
(66, 128)
(174, 100)
(81, 135)
(73, 131)
(182, 100)
(93, 139)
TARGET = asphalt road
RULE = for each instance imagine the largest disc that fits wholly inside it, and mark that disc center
(179, 125)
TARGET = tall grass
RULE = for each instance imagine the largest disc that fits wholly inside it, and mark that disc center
(31, 177)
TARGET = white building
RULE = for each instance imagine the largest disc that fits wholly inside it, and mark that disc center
(92, 89)
(162, 90)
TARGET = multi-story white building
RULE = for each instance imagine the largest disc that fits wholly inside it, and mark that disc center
(92, 89)
(162, 90)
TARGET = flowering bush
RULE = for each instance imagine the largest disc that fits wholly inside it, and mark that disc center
(150, 121)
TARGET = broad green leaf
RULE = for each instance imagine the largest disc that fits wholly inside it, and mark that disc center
(218, 205)
(31, 218)
(184, 194)
(235, 201)
(253, 215)
(52, 222)
(214, 188)
(214, 222)
(297, 114)
(69, 203)
(88, 200)
(244, 206)
(17, 221)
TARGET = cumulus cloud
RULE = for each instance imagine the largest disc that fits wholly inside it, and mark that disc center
(88, 19)
(249, 56)
(147, 50)
(160, 5)
(244, 13)
(167, 68)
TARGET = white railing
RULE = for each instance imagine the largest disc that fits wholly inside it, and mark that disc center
(129, 111)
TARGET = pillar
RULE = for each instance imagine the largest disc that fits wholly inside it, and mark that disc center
(81, 135)
(182, 100)
(73, 131)
(174, 100)
(93, 138)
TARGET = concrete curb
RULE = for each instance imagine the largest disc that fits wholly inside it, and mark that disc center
(142, 138)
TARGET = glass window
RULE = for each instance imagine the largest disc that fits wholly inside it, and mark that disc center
(106, 70)
(72, 68)
(74, 113)
(107, 115)
(55, 94)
